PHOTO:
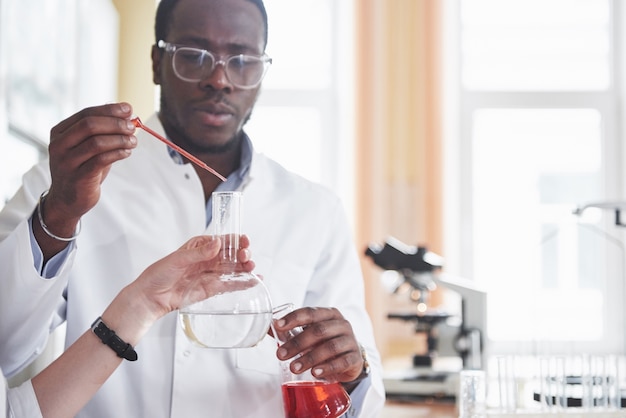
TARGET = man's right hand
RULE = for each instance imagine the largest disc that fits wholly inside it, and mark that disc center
(82, 149)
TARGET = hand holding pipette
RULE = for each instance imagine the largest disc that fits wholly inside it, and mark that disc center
(82, 149)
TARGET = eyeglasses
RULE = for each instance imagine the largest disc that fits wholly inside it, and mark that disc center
(193, 65)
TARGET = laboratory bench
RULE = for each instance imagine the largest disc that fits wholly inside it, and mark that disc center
(395, 409)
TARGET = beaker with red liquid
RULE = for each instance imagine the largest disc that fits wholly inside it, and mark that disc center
(314, 399)
(304, 395)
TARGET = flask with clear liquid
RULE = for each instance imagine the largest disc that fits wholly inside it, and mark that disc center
(237, 318)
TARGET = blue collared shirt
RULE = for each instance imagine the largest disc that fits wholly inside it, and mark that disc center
(234, 180)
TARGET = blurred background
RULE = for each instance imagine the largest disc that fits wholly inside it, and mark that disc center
(472, 128)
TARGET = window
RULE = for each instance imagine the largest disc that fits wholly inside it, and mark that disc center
(46, 75)
(538, 136)
(302, 118)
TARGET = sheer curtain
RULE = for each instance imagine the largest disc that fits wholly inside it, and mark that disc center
(398, 140)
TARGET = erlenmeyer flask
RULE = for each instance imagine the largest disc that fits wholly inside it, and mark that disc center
(304, 395)
(240, 316)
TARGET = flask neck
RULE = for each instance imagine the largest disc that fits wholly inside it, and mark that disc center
(230, 245)
(226, 213)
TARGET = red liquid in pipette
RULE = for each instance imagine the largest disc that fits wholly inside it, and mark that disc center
(314, 399)
(137, 122)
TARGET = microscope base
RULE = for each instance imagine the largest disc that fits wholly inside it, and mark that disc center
(422, 384)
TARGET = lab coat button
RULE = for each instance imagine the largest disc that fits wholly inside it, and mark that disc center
(186, 353)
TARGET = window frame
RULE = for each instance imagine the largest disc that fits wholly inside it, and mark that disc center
(461, 104)
(334, 103)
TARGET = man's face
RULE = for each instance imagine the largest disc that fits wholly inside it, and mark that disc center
(208, 115)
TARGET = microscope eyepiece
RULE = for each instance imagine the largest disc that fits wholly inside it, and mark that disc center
(395, 255)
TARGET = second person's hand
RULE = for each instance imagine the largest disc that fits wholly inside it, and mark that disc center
(187, 275)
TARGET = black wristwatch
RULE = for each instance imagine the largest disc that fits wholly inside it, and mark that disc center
(110, 338)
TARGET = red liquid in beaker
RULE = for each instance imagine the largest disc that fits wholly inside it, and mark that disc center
(314, 399)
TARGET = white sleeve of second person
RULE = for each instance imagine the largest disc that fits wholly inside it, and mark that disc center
(22, 402)
(3, 397)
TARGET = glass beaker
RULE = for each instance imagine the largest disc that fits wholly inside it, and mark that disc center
(472, 394)
(304, 395)
(241, 315)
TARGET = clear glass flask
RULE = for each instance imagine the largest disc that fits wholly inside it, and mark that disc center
(236, 318)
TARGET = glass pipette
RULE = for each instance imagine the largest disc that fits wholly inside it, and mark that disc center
(137, 122)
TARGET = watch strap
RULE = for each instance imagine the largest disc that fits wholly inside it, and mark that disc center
(111, 339)
(365, 372)
(366, 364)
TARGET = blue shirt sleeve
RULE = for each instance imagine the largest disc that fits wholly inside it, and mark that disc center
(53, 265)
(358, 396)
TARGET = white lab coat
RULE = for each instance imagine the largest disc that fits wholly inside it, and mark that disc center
(300, 242)
(19, 402)
(3, 396)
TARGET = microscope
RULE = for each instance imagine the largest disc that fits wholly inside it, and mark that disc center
(457, 336)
